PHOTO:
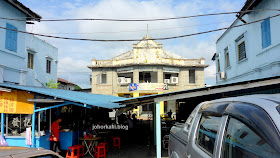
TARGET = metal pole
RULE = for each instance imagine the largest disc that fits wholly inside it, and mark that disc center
(158, 130)
(33, 126)
(39, 124)
(2, 124)
(50, 120)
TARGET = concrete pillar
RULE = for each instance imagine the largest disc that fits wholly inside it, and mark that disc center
(161, 105)
(160, 75)
(135, 75)
(158, 130)
(136, 110)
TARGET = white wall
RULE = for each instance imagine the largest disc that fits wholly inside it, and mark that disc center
(42, 51)
(260, 63)
(12, 65)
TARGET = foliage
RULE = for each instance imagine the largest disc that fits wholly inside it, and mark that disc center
(77, 87)
(52, 84)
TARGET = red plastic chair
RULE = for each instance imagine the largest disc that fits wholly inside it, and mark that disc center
(72, 152)
(100, 151)
(81, 150)
(117, 142)
(104, 144)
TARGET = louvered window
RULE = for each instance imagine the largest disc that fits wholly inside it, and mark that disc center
(11, 38)
(266, 35)
(241, 51)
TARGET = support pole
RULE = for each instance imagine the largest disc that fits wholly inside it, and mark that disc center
(158, 130)
(33, 127)
(2, 124)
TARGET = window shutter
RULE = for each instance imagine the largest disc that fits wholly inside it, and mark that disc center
(14, 41)
(263, 34)
(11, 38)
(266, 35)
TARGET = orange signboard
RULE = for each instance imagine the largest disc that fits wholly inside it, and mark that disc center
(15, 102)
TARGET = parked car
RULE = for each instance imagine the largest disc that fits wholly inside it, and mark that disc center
(24, 152)
(238, 127)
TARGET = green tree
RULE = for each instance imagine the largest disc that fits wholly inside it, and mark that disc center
(52, 84)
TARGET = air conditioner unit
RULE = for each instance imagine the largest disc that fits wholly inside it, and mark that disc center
(174, 79)
(120, 80)
(222, 75)
(166, 80)
(127, 80)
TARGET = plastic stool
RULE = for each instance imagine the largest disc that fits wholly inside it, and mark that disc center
(117, 142)
(100, 151)
(104, 144)
(81, 150)
(72, 152)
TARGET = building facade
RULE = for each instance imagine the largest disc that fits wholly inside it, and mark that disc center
(41, 59)
(24, 59)
(66, 85)
(146, 69)
(251, 51)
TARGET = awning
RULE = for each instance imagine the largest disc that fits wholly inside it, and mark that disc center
(87, 99)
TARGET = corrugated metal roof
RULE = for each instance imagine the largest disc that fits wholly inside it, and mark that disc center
(99, 100)
(202, 91)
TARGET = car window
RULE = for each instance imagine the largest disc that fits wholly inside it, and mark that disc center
(207, 132)
(241, 141)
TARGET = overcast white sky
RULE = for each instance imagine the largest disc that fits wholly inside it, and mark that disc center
(75, 56)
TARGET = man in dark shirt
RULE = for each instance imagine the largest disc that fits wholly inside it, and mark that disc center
(54, 137)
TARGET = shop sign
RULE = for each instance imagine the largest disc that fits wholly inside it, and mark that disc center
(15, 102)
(147, 86)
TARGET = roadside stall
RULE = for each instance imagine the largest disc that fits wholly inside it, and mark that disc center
(26, 113)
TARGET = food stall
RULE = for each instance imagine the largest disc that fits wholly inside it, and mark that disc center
(26, 113)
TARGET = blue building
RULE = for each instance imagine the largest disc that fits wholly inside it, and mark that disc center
(252, 51)
(41, 61)
(24, 59)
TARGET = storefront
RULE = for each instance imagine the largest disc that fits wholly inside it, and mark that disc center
(26, 115)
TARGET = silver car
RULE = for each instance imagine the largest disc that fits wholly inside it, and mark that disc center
(239, 127)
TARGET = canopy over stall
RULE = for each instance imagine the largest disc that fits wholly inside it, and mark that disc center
(264, 85)
(59, 97)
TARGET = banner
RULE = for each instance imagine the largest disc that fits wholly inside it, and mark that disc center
(147, 86)
(15, 102)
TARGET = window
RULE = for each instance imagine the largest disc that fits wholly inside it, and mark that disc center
(242, 141)
(266, 35)
(207, 132)
(241, 51)
(30, 62)
(48, 66)
(191, 76)
(218, 65)
(11, 38)
(241, 47)
(103, 78)
(227, 57)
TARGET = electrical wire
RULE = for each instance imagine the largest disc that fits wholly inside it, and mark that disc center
(155, 19)
(141, 30)
(123, 40)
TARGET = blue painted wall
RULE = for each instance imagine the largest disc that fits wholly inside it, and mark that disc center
(260, 62)
(42, 51)
(12, 65)
(42, 141)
